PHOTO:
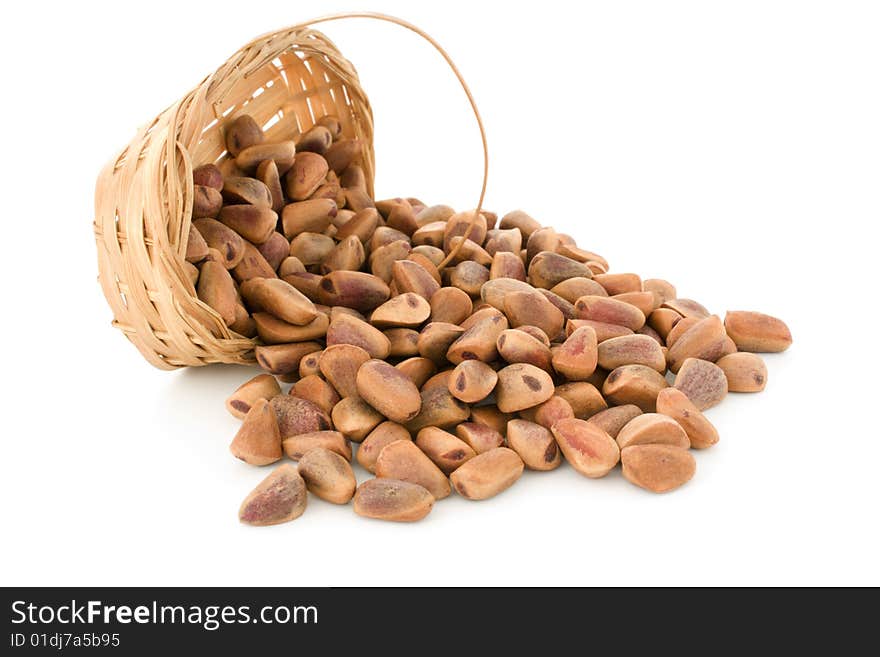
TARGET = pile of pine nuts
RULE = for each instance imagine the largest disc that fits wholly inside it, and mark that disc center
(454, 349)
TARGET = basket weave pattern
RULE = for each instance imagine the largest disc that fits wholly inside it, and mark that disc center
(285, 80)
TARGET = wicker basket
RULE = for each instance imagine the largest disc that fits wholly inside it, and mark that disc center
(286, 80)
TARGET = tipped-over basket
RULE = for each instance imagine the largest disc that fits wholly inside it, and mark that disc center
(286, 81)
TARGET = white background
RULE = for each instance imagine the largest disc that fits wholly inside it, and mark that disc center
(732, 148)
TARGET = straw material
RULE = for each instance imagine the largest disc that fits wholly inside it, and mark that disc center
(285, 80)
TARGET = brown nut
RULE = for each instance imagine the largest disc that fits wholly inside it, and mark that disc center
(280, 299)
(382, 259)
(644, 301)
(687, 308)
(703, 382)
(275, 250)
(517, 346)
(409, 276)
(542, 240)
(610, 311)
(675, 404)
(520, 220)
(588, 449)
(342, 153)
(316, 139)
(295, 446)
(243, 190)
(217, 289)
(567, 309)
(389, 391)
(653, 429)
(664, 290)
(479, 341)
(404, 461)
(291, 265)
(311, 248)
(472, 381)
(469, 276)
(507, 265)
(663, 320)
(704, 340)
(384, 434)
(450, 305)
(548, 269)
(576, 358)
(313, 216)
(361, 225)
(407, 310)
(550, 412)
(536, 333)
(316, 390)
(757, 332)
(327, 475)
(604, 331)
(634, 384)
(275, 331)
(241, 133)
(267, 173)
(457, 226)
(209, 176)
(392, 499)
(583, 397)
(658, 468)
(347, 329)
(197, 247)
(479, 437)
(522, 386)
(488, 474)
(404, 342)
(631, 350)
(496, 291)
(533, 309)
(297, 416)
(445, 450)
(613, 419)
(258, 440)
(226, 241)
(207, 202)
(681, 327)
(340, 364)
(574, 288)
(480, 313)
(439, 409)
(244, 323)
(255, 223)
(355, 418)
(262, 386)
(436, 339)
(347, 255)
(619, 283)
(491, 417)
(305, 176)
(503, 240)
(353, 289)
(280, 497)
(283, 358)
(417, 368)
(439, 380)
(535, 445)
(332, 123)
(309, 364)
(282, 153)
(745, 372)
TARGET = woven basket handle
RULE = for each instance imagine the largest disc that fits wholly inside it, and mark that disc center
(409, 26)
